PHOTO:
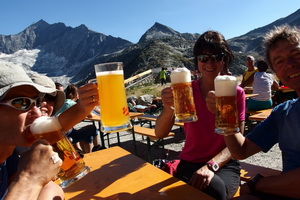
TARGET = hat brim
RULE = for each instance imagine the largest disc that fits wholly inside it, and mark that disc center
(59, 101)
(39, 88)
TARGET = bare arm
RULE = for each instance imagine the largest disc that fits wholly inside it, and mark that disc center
(82, 108)
(241, 147)
(248, 81)
(286, 185)
(165, 120)
(275, 85)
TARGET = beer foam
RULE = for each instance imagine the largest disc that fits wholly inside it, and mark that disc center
(105, 73)
(225, 85)
(45, 124)
(180, 75)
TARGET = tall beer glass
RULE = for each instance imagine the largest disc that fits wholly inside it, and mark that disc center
(185, 110)
(114, 109)
(227, 115)
(73, 167)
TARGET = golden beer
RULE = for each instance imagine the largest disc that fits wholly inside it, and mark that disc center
(113, 105)
(226, 116)
(226, 119)
(184, 106)
(183, 102)
(73, 167)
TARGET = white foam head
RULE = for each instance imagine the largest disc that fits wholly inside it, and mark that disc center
(105, 73)
(180, 75)
(45, 124)
(225, 85)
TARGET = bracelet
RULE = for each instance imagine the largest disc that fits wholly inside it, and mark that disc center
(251, 183)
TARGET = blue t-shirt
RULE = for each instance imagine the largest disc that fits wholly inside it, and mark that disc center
(282, 127)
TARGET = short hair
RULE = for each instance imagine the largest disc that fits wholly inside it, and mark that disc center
(262, 66)
(214, 42)
(71, 91)
(280, 33)
(58, 85)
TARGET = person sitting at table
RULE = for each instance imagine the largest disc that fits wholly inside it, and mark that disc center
(134, 107)
(28, 177)
(87, 136)
(205, 162)
(282, 127)
(248, 75)
(263, 85)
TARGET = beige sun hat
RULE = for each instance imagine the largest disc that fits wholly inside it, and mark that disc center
(48, 83)
(12, 76)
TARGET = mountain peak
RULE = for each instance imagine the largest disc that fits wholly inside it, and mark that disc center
(158, 31)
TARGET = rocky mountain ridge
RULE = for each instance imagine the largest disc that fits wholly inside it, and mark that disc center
(68, 54)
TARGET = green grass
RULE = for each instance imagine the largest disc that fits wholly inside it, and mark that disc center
(152, 89)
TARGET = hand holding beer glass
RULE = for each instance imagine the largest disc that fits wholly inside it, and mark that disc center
(226, 105)
(73, 167)
(184, 106)
(113, 105)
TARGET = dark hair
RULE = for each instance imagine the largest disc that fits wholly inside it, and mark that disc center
(262, 66)
(281, 33)
(58, 85)
(71, 91)
(214, 42)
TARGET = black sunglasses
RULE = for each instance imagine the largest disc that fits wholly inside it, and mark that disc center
(22, 103)
(215, 58)
(49, 97)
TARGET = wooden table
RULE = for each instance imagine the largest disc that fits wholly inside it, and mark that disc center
(247, 96)
(117, 174)
(97, 118)
(264, 114)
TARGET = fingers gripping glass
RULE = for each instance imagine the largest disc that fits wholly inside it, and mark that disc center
(22, 103)
(215, 58)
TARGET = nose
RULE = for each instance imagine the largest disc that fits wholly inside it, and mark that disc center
(34, 112)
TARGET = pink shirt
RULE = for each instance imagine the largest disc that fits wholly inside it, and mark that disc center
(202, 143)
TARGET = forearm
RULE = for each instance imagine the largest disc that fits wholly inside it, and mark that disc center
(23, 188)
(71, 117)
(164, 123)
(222, 158)
(239, 147)
(286, 184)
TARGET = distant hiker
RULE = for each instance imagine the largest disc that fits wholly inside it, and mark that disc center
(163, 76)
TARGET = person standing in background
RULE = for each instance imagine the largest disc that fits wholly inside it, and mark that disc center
(248, 75)
(163, 76)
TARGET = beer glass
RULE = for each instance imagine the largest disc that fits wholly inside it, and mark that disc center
(227, 116)
(73, 167)
(184, 106)
(114, 109)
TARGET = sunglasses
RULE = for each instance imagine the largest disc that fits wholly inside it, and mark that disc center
(215, 58)
(22, 103)
(49, 97)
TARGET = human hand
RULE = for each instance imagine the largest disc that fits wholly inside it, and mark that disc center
(88, 98)
(211, 102)
(201, 178)
(37, 165)
(167, 98)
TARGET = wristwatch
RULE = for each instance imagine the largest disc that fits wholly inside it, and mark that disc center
(212, 166)
(251, 183)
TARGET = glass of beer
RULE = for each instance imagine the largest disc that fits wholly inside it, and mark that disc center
(184, 106)
(227, 114)
(73, 167)
(114, 109)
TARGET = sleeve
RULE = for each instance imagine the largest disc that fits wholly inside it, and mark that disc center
(241, 103)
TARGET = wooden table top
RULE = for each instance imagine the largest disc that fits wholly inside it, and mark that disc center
(117, 174)
(261, 116)
(247, 96)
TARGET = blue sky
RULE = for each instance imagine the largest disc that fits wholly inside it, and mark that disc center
(130, 19)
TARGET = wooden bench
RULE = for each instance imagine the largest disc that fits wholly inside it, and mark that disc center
(151, 137)
(150, 118)
(250, 170)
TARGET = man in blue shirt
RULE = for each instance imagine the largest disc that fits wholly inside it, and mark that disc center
(282, 126)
